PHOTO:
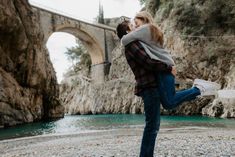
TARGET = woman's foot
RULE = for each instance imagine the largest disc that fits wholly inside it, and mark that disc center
(206, 87)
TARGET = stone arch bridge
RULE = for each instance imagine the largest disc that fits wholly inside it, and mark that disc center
(99, 39)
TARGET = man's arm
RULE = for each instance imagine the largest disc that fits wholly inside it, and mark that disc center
(136, 52)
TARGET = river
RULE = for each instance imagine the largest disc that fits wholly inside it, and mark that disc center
(88, 123)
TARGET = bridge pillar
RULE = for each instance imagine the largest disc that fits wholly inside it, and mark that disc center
(99, 72)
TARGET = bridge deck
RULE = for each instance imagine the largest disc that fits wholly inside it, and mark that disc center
(72, 17)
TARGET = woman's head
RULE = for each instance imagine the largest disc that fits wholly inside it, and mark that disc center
(123, 28)
(142, 18)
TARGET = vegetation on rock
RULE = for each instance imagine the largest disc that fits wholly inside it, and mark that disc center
(79, 56)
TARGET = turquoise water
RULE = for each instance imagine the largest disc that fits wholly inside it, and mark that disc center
(83, 123)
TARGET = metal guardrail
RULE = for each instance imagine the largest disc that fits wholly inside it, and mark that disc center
(73, 17)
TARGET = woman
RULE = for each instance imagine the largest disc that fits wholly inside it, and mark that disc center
(151, 39)
(143, 29)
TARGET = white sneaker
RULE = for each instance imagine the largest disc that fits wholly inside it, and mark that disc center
(206, 87)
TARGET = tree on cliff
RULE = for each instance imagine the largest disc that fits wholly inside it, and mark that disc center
(79, 56)
(101, 14)
(142, 2)
(151, 5)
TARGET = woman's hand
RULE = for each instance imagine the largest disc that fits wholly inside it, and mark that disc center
(174, 71)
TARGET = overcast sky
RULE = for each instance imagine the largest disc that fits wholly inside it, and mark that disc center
(82, 9)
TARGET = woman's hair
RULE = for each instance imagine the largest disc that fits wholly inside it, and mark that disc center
(145, 17)
(123, 28)
(156, 33)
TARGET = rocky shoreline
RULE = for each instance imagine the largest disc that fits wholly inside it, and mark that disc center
(191, 142)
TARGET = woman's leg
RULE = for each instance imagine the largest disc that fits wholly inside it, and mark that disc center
(170, 99)
(151, 100)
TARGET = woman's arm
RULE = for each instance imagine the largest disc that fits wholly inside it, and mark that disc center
(142, 33)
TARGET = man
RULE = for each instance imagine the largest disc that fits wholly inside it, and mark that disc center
(154, 83)
(153, 90)
(145, 70)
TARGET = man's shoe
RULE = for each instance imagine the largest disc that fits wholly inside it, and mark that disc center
(206, 87)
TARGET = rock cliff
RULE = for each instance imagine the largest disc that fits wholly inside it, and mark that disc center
(200, 36)
(80, 96)
(28, 86)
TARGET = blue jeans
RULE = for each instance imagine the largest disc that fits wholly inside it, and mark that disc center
(151, 100)
(170, 99)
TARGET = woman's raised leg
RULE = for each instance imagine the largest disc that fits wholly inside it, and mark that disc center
(170, 99)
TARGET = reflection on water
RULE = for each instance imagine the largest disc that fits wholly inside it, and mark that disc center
(81, 123)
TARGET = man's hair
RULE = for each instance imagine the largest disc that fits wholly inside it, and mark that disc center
(122, 28)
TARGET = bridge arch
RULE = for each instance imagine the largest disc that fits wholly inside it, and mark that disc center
(98, 39)
(91, 44)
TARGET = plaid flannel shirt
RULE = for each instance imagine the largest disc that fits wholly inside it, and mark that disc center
(144, 68)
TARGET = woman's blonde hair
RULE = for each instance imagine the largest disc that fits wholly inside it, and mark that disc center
(147, 18)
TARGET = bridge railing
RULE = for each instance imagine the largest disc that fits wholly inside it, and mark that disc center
(71, 16)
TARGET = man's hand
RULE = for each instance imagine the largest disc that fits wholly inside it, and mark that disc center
(174, 71)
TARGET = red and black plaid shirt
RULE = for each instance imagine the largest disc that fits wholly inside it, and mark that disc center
(144, 68)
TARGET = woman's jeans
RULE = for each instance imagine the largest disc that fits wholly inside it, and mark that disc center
(170, 99)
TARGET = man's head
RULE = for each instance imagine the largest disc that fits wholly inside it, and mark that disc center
(123, 28)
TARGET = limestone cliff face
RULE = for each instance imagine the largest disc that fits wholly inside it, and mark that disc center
(200, 36)
(80, 96)
(28, 86)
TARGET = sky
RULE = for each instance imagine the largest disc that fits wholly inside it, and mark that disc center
(85, 10)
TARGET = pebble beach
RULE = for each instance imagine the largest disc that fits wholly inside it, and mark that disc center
(171, 142)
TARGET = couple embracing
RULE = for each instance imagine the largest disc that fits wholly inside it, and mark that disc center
(155, 71)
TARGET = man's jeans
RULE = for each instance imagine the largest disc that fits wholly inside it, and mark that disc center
(151, 100)
(169, 99)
